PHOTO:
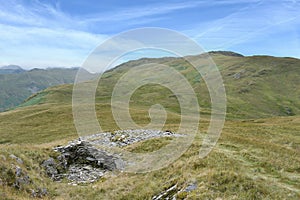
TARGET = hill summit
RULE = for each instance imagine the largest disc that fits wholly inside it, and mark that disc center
(11, 69)
(226, 53)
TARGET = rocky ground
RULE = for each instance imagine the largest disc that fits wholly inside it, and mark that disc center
(82, 161)
(16, 176)
(123, 138)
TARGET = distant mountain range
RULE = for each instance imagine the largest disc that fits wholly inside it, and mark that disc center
(11, 69)
(17, 84)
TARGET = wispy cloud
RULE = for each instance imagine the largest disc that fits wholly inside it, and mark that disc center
(148, 12)
(141, 12)
(36, 14)
(36, 34)
(248, 23)
(40, 35)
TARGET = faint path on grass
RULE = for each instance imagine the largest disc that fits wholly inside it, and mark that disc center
(235, 155)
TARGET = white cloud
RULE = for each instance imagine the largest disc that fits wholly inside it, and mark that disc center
(42, 47)
(36, 14)
(41, 35)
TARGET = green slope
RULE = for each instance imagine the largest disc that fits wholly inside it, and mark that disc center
(256, 86)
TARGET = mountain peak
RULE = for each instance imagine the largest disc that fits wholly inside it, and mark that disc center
(11, 69)
(226, 53)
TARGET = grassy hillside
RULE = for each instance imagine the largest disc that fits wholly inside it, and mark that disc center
(265, 87)
(256, 86)
(17, 87)
(257, 156)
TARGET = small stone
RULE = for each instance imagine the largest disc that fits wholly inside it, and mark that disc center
(39, 192)
(13, 156)
(19, 160)
(90, 159)
(87, 167)
(25, 180)
(191, 187)
(18, 171)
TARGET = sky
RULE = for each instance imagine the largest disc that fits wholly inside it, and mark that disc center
(61, 33)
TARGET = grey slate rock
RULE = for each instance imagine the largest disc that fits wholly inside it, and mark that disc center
(51, 168)
(19, 160)
(191, 187)
(39, 192)
(82, 162)
(18, 171)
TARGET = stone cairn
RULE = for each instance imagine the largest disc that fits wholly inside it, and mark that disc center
(82, 162)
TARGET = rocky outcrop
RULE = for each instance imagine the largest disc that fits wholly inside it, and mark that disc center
(14, 174)
(82, 161)
(84, 153)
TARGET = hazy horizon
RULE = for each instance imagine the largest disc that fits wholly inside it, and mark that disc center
(124, 61)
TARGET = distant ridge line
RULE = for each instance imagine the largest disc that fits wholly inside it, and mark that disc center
(227, 53)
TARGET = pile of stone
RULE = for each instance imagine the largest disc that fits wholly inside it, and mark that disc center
(82, 161)
(123, 138)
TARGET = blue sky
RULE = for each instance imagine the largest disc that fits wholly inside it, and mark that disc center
(48, 33)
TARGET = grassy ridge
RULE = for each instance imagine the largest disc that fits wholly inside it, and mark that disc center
(256, 86)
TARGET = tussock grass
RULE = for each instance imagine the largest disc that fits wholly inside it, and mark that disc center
(251, 161)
